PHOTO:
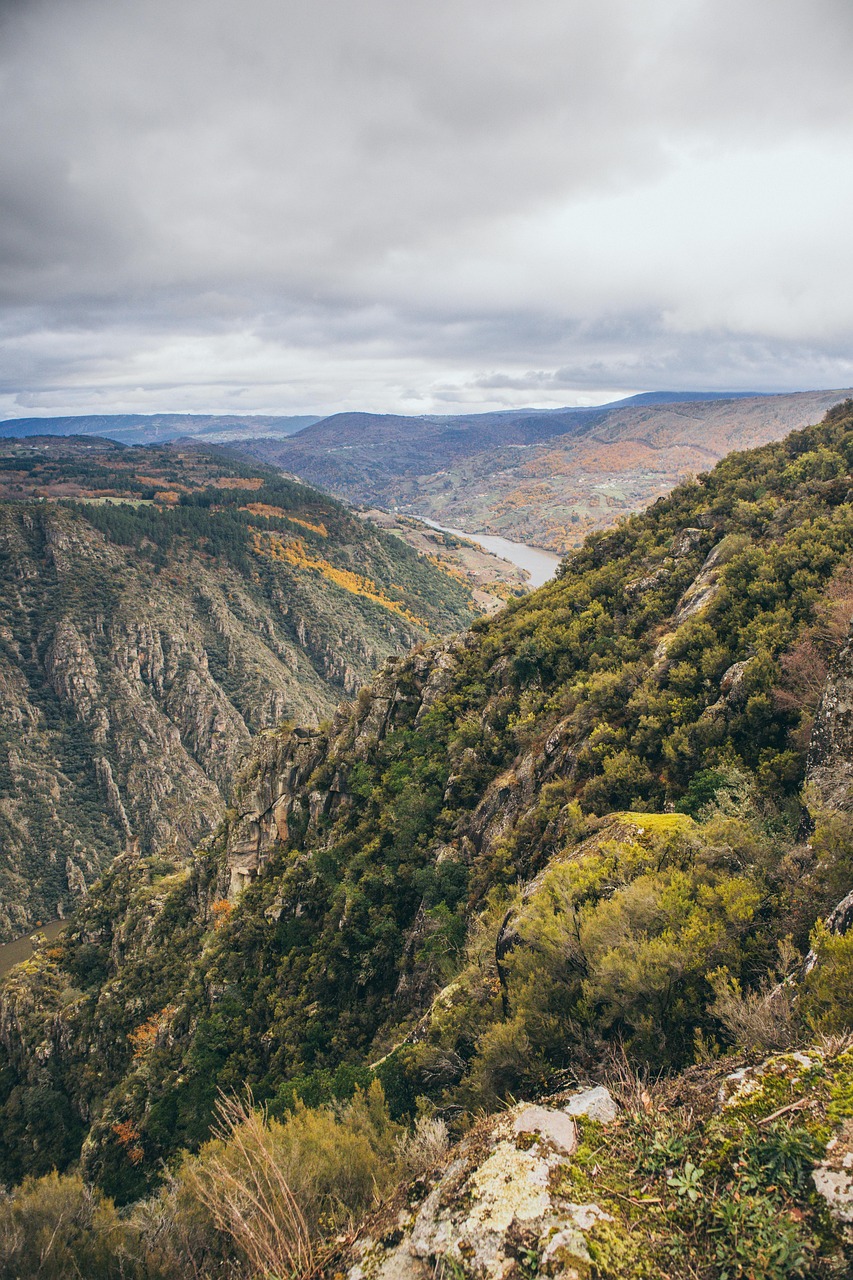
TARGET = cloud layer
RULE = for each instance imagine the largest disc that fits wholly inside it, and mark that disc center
(286, 205)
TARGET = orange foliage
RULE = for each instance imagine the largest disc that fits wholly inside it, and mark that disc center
(238, 482)
(450, 569)
(529, 495)
(128, 1137)
(264, 509)
(306, 524)
(144, 1037)
(220, 910)
(158, 483)
(294, 552)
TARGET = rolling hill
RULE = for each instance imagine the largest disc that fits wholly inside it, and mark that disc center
(156, 428)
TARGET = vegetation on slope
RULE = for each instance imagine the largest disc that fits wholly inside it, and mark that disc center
(576, 826)
(159, 606)
(726, 1170)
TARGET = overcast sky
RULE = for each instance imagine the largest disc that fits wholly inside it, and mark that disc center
(287, 206)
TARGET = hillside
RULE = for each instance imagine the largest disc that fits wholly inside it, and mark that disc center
(544, 478)
(159, 607)
(587, 837)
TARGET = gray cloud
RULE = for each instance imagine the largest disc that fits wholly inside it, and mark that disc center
(286, 205)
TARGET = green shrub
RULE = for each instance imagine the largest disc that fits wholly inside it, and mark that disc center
(617, 943)
(827, 1000)
(56, 1227)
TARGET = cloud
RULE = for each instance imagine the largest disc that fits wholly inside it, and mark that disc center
(300, 206)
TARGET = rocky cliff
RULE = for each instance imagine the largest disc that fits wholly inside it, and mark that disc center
(134, 674)
(830, 762)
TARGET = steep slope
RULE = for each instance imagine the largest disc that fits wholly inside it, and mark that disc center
(475, 879)
(175, 607)
(546, 479)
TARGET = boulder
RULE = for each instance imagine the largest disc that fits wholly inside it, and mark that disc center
(554, 1126)
(595, 1104)
(500, 1200)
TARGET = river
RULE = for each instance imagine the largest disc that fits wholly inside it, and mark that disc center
(12, 953)
(540, 566)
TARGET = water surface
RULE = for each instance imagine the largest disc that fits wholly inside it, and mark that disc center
(540, 566)
(12, 953)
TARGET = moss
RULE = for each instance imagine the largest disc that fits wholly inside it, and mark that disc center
(657, 823)
(781, 1080)
(616, 1255)
(754, 1212)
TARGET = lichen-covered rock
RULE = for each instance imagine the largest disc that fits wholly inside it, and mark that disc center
(545, 1122)
(497, 1203)
(751, 1084)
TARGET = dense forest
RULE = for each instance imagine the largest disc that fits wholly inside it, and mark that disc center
(587, 832)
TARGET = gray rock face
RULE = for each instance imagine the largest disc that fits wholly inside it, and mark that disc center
(733, 690)
(683, 544)
(686, 541)
(130, 698)
(554, 1126)
(704, 586)
(499, 1196)
(271, 790)
(595, 1104)
(829, 772)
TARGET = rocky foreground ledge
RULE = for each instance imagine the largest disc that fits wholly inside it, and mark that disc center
(590, 1186)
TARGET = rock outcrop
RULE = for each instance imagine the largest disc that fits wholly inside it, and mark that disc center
(833, 1178)
(830, 761)
(500, 1200)
(704, 586)
(130, 697)
(271, 793)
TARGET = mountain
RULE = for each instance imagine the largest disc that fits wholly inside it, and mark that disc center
(520, 848)
(161, 606)
(571, 890)
(156, 428)
(544, 478)
(681, 397)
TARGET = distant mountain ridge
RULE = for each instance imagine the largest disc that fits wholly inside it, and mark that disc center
(147, 428)
(546, 478)
(156, 428)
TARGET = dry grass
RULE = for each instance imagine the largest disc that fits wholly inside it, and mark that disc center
(633, 1088)
(419, 1151)
(250, 1200)
(764, 1020)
